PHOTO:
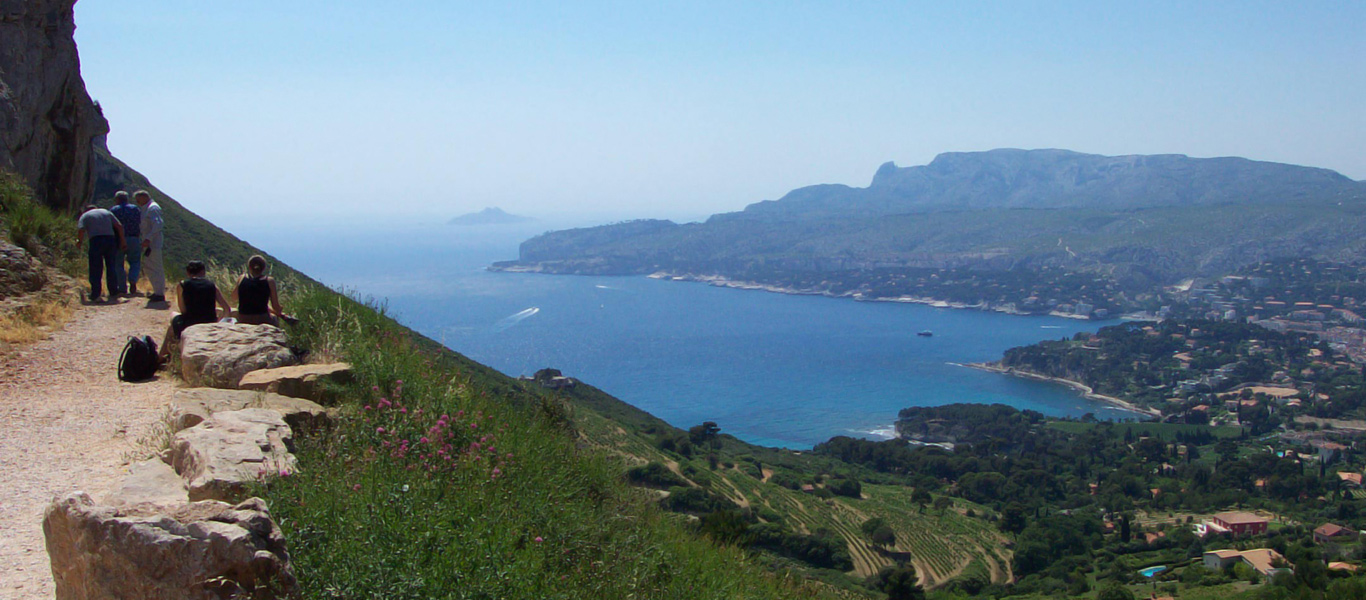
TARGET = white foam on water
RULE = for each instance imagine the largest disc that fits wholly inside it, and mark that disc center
(886, 433)
(515, 319)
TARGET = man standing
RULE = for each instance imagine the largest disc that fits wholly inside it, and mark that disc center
(131, 219)
(151, 244)
(106, 239)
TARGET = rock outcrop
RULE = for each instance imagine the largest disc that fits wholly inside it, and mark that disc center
(191, 407)
(219, 457)
(219, 354)
(315, 382)
(20, 273)
(198, 551)
(48, 124)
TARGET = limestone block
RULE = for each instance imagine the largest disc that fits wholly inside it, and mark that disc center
(191, 407)
(219, 354)
(228, 450)
(200, 551)
(301, 381)
(151, 482)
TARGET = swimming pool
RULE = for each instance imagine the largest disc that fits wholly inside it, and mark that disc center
(1151, 571)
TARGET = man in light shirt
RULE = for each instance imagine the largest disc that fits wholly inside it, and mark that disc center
(151, 244)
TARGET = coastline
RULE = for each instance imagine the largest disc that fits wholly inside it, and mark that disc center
(1084, 389)
(722, 281)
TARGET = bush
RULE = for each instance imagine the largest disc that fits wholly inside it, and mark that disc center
(850, 488)
(693, 500)
(824, 551)
(654, 474)
(46, 234)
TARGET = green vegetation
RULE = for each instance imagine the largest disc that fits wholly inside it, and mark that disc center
(45, 233)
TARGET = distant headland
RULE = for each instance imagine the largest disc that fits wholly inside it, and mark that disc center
(490, 216)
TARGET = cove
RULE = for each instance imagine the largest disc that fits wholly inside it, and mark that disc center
(771, 369)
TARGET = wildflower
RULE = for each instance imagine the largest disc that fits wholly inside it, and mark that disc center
(539, 539)
(374, 388)
(422, 440)
(379, 430)
(496, 472)
(474, 426)
(355, 488)
(367, 407)
(405, 487)
(459, 413)
(403, 410)
(284, 472)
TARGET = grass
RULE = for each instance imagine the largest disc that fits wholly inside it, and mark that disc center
(499, 501)
(46, 234)
(32, 322)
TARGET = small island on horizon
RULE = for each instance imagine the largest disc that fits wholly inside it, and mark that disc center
(489, 216)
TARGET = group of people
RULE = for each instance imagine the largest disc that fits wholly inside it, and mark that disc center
(124, 242)
(128, 233)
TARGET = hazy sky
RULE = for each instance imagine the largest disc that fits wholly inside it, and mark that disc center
(632, 109)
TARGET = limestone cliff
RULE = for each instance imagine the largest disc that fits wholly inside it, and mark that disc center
(48, 123)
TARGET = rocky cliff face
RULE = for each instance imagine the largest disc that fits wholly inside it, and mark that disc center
(48, 124)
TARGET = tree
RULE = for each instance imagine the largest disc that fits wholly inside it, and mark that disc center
(899, 583)
(1013, 518)
(943, 503)
(706, 432)
(1115, 591)
(921, 497)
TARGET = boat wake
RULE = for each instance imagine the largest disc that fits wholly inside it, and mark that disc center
(508, 322)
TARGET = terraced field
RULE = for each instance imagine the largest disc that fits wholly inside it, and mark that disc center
(941, 545)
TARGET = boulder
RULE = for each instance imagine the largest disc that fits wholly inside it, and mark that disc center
(20, 273)
(198, 551)
(192, 406)
(302, 381)
(150, 482)
(228, 450)
(219, 354)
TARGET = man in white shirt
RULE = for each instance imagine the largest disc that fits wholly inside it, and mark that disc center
(151, 244)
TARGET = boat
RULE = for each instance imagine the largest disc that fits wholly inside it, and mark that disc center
(926, 333)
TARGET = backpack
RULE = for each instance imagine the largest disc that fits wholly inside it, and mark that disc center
(139, 359)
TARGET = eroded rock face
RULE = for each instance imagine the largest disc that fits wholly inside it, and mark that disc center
(204, 550)
(302, 381)
(219, 354)
(191, 407)
(48, 124)
(228, 450)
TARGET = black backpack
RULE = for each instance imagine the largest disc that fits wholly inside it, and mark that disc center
(139, 359)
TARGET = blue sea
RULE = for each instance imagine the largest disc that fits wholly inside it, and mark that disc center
(771, 369)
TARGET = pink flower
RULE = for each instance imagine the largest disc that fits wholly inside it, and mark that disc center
(403, 410)
(355, 488)
(374, 388)
(379, 430)
(284, 472)
(459, 413)
(367, 407)
(539, 539)
(474, 426)
(422, 440)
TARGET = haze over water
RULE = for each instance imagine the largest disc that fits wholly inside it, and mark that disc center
(771, 369)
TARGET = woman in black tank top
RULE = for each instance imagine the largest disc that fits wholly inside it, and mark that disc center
(258, 300)
(198, 300)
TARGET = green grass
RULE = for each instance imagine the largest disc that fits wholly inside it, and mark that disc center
(47, 234)
(366, 522)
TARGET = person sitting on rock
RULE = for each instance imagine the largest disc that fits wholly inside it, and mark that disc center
(199, 300)
(257, 297)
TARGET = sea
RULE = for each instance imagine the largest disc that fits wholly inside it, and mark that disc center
(771, 369)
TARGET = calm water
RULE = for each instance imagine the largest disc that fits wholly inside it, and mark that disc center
(769, 368)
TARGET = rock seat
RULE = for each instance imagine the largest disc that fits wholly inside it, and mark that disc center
(219, 354)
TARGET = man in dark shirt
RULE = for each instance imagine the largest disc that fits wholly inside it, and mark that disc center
(131, 219)
(106, 239)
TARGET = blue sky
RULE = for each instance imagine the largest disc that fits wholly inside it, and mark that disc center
(633, 109)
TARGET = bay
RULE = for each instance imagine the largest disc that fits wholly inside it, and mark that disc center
(771, 369)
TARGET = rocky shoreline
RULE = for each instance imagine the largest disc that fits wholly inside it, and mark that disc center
(722, 281)
(1085, 390)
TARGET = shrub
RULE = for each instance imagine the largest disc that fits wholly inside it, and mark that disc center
(654, 474)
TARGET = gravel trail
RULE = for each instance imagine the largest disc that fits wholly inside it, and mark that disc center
(69, 424)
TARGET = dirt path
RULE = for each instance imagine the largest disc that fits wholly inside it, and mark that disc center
(69, 424)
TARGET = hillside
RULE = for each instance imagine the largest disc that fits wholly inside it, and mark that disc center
(1140, 221)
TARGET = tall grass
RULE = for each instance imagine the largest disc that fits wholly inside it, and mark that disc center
(444, 480)
(46, 234)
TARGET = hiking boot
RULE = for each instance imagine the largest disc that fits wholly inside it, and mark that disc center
(132, 290)
(156, 298)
